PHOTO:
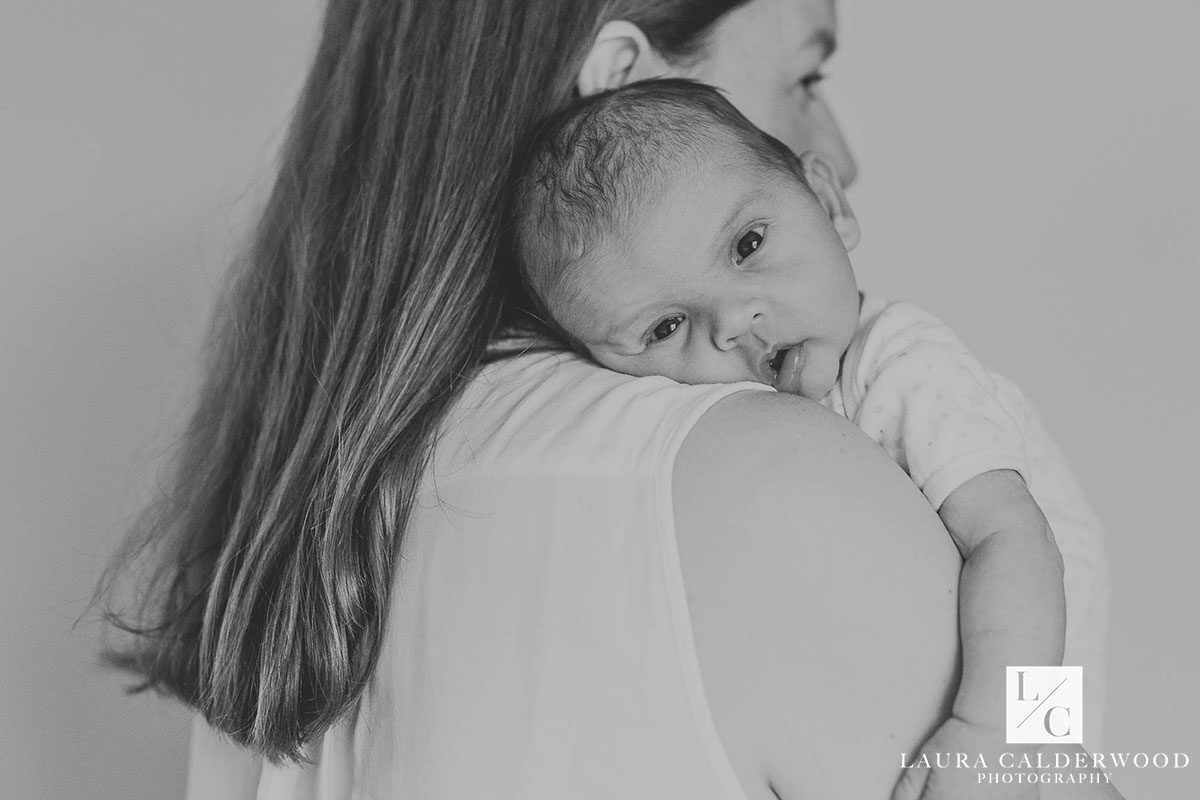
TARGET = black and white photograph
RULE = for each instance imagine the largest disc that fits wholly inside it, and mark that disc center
(543, 399)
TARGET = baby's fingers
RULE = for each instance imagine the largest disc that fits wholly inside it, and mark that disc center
(911, 784)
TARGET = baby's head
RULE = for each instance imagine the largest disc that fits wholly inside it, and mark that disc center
(664, 234)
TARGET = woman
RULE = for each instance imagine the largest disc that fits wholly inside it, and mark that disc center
(602, 586)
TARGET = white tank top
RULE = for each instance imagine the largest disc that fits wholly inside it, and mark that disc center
(539, 644)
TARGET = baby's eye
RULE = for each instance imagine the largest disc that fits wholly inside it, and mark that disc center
(665, 328)
(749, 242)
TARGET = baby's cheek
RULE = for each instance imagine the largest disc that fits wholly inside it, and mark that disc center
(708, 365)
(658, 361)
(639, 366)
(607, 359)
(667, 362)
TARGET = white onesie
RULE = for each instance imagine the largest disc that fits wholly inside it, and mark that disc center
(911, 385)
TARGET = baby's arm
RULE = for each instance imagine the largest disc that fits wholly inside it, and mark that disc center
(916, 389)
(1011, 606)
(1011, 612)
(912, 386)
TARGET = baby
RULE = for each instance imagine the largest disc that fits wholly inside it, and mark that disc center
(661, 233)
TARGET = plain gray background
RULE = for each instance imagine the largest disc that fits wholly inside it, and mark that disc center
(1029, 175)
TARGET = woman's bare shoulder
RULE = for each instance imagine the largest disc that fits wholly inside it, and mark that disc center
(757, 461)
(823, 594)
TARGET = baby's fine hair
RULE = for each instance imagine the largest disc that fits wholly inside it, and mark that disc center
(586, 169)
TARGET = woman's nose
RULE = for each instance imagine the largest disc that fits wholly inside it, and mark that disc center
(832, 145)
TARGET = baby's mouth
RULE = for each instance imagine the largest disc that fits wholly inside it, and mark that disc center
(787, 366)
(776, 361)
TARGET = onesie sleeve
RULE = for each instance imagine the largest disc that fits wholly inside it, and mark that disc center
(930, 404)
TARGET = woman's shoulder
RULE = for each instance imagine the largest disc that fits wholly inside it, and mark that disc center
(786, 460)
(810, 559)
(559, 411)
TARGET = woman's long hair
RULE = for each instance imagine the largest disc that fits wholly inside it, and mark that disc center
(367, 296)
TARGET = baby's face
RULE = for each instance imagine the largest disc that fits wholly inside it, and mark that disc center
(733, 272)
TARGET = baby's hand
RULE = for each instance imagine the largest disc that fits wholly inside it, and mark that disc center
(955, 782)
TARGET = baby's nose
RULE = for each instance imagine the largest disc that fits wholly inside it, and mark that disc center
(734, 325)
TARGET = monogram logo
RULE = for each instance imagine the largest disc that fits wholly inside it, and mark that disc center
(1044, 704)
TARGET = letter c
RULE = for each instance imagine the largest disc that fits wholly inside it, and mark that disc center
(1046, 721)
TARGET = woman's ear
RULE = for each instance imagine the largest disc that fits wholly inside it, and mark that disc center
(621, 54)
(824, 182)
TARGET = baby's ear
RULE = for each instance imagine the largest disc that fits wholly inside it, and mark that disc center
(620, 54)
(824, 182)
